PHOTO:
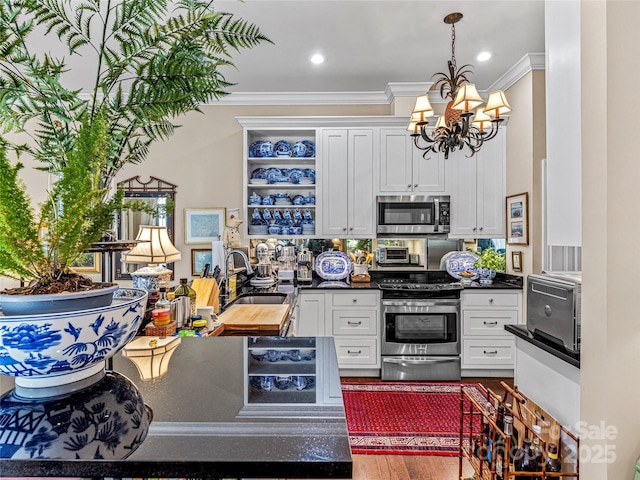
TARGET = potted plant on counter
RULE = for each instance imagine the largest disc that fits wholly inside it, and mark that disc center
(488, 263)
(152, 61)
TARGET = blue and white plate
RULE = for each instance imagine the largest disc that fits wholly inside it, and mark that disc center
(311, 148)
(333, 265)
(461, 261)
(282, 148)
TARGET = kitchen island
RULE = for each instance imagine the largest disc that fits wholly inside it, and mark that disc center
(211, 420)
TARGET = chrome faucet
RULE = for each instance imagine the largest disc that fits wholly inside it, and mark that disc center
(247, 266)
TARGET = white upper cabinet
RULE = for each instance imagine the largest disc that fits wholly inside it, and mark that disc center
(402, 168)
(347, 182)
(478, 191)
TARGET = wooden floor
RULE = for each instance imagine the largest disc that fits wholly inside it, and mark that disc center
(416, 467)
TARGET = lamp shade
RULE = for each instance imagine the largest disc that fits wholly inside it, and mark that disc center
(481, 120)
(154, 247)
(413, 127)
(442, 123)
(497, 104)
(467, 98)
(422, 109)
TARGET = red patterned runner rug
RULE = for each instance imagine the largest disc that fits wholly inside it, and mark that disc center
(405, 418)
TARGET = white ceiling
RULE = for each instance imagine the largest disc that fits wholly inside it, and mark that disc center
(371, 43)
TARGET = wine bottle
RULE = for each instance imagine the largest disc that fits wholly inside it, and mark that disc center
(184, 290)
(524, 460)
(553, 464)
(537, 451)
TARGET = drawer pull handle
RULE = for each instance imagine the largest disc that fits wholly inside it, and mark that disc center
(354, 353)
(355, 300)
(354, 323)
(493, 352)
(491, 324)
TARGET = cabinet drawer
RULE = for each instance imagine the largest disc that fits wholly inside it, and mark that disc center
(359, 299)
(492, 299)
(357, 352)
(488, 322)
(355, 322)
(488, 352)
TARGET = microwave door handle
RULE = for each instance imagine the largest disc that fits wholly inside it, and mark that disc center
(436, 214)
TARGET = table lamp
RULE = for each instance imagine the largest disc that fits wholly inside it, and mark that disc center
(154, 248)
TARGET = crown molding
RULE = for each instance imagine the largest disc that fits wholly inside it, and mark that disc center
(303, 98)
(528, 63)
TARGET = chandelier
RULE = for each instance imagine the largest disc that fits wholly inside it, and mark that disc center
(455, 129)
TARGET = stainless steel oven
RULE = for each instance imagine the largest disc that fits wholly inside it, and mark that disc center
(421, 331)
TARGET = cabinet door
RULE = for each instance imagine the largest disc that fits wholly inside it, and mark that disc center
(311, 309)
(428, 173)
(360, 203)
(396, 159)
(463, 194)
(490, 213)
(334, 180)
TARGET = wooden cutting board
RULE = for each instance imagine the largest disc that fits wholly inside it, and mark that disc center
(254, 317)
(207, 292)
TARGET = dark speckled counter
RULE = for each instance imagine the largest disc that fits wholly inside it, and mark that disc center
(204, 427)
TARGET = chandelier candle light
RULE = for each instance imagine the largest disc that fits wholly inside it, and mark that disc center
(154, 248)
(455, 128)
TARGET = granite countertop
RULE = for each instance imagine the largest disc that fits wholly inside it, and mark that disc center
(208, 420)
(557, 351)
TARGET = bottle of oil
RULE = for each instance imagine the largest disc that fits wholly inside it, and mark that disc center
(160, 314)
(184, 290)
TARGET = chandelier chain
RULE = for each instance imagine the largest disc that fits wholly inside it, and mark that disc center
(453, 45)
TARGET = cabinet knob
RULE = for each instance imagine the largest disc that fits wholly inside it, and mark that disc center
(344, 229)
(354, 300)
(409, 186)
(415, 186)
(351, 229)
(474, 229)
(491, 300)
(481, 228)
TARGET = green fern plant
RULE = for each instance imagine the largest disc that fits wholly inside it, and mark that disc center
(153, 60)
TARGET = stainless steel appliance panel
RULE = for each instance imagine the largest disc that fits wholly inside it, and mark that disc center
(412, 215)
(553, 310)
(423, 368)
(438, 248)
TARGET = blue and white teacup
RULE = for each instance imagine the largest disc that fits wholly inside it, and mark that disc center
(300, 382)
(273, 355)
(267, 382)
(299, 149)
(283, 382)
(255, 199)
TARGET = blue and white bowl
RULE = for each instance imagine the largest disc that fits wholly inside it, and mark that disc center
(59, 348)
(282, 148)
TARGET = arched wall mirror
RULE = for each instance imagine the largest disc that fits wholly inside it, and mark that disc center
(158, 194)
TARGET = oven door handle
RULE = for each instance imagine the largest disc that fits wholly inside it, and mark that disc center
(405, 363)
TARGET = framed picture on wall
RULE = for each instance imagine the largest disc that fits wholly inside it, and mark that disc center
(518, 219)
(203, 225)
(87, 263)
(516, 261)
(199, 258)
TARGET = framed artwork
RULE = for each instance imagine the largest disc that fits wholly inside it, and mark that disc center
(203, 225)
(516, 261)
(518, 219)
(199, 258)
(87, 263)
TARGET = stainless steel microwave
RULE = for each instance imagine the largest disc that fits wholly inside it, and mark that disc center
(412, 215)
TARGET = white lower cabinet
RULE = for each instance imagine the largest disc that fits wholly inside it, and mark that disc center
(352, 318)
(486, 346)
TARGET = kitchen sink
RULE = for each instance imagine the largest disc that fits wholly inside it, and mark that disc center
(259, 299)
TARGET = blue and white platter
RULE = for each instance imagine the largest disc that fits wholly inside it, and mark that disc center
(461, 261)
(333, 265)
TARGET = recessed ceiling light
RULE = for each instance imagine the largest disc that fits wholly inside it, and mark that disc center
(317, 58)
(484, 56)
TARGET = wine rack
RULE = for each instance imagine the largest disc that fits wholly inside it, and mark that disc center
(526, 413)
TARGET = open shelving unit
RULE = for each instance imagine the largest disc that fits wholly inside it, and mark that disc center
(526, 414)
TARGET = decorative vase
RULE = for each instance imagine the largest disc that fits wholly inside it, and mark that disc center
(45, 351)
(486, 275)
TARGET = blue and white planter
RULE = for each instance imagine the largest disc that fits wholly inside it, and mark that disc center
(49, 350)
(106, 420)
